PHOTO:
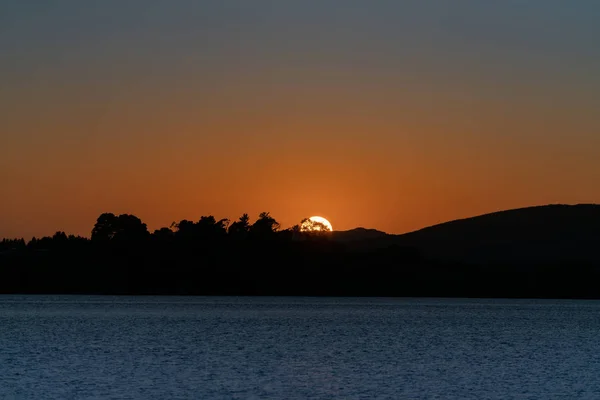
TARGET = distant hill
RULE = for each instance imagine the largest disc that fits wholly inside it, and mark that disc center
(544, 234)
(357, 234)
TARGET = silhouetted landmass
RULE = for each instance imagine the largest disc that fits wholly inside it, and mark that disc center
(548, 251)
(358, 234)
(543, 234)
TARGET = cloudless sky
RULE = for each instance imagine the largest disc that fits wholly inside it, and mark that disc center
(386, 114)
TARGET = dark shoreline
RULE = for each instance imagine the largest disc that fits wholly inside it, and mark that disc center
(339, 275)
(548, 252)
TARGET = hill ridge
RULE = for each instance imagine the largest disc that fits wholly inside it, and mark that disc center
(504, 212)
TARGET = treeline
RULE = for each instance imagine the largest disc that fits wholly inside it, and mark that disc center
(127, 229)
(220, 257)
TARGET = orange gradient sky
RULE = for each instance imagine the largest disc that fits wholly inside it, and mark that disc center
(383, 115)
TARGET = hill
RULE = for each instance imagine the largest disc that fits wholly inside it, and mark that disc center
(357, 234)
(543, 234)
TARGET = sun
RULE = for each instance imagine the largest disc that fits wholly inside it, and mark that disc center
(315, 223)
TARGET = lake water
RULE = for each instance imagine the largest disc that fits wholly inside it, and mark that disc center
(82, 347)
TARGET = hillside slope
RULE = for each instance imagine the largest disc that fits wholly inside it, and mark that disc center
(555, 234)
(357, 234)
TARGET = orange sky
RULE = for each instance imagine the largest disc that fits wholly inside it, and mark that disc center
(380, 136)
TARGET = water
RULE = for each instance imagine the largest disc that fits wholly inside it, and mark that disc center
(81, 347)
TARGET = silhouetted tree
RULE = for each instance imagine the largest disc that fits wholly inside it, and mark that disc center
(209, 228)
(59, 241)
(131, 228)
(12, 244)
(206, 229)
(105, 228)
(185, 230)
(125, 227)
(308, 225)
(163, 234)
(44, 243)
(32, 244)
(240, 228)
(314, 229)
(60, 237)
(265, 226)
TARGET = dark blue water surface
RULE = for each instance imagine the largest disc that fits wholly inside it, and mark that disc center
(94, 347)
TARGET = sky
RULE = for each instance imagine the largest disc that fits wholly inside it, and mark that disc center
(385, 114)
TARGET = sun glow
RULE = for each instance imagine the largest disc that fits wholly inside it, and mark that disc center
(316, 223)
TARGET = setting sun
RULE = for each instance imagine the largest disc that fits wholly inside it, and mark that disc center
(316, 223)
